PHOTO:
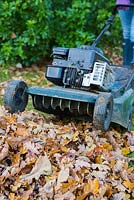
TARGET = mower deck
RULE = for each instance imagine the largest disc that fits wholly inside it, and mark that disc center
(64, 93)
(59, 100)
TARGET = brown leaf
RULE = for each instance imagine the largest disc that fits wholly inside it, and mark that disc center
(26, 194)
(22, 130)
(4, 151)
(10, 119)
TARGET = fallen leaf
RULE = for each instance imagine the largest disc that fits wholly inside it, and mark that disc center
(4, 151)
(128, 184)
(42, 167)
(68, 196)
(12, 196)
(91, 187)
(94, 186)
(125, 151)
(10, 119)
(32, 147)
(22, 130)
(118, 166)
(81, 163)
(119, 196)
(101, 167)
(63, 176)
(99, 174)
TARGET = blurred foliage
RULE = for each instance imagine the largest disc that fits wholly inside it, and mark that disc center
(24, 33)
(29, 29)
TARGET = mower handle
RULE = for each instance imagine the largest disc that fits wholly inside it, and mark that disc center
(109, 22)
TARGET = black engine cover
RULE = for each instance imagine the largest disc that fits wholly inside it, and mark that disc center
(70, 65)
(73, 78)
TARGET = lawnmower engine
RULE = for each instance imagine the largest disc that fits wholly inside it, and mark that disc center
(83, 68)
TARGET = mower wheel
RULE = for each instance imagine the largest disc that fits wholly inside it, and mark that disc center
(15, 97)
(103, 111)
(131, 119)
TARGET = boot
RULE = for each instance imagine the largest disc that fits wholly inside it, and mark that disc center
(126, 52)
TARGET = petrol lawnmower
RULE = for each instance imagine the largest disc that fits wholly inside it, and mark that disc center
(86, 85)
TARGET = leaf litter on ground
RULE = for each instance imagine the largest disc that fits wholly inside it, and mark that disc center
(47, 158)
(52, 159)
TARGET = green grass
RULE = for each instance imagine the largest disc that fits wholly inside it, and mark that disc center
(131, 163)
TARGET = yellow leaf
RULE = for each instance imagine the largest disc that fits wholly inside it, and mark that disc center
(128, 184)
(125, 151)
(82, 197)
(95, 186)
(75, 136)
(55, 151)
(23, 150)
(91, 187)
(64, 149)
(112, 163)
(87, 188)
(98, 159)
(70, 184)
(107, 146)
(12, 196)
(65, 142)
(127, 196)
(16, 159)
(15, 187)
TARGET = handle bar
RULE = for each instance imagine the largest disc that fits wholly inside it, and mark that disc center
(109, 22)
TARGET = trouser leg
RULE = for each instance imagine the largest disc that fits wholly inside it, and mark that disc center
(132, 52)
(125, 16)
(127, 57)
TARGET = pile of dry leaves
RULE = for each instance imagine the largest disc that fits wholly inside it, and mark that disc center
(43, 159)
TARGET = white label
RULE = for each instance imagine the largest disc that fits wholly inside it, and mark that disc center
(86, 80)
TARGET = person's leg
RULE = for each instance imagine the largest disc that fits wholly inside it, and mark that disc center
(125, 17)
(132, 35)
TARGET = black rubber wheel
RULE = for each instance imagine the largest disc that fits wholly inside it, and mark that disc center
(103, 111)
(131, 119)
(15, 97)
